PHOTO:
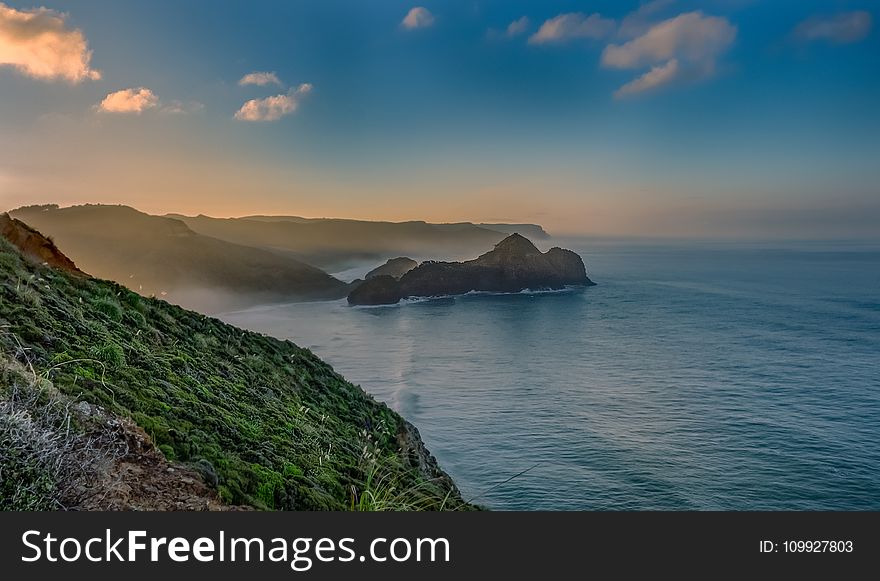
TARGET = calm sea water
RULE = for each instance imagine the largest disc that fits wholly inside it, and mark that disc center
(699, 376)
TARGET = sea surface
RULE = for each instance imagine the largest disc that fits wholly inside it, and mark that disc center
(693, 376)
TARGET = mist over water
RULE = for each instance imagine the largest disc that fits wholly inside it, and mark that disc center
(694, 376)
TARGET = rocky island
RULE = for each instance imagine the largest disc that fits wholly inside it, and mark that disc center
(514, 265)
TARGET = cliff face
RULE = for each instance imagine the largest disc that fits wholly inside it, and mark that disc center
(515, 264)
(34, 245)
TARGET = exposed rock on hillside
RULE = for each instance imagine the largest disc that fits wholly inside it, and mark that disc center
(34, 245)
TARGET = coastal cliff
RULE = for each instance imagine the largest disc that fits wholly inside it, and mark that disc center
(168, 408)
(514, 265)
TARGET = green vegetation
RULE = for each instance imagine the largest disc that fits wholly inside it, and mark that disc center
(267, 422)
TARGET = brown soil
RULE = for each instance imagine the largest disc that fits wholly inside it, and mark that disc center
(137, 476)
(34, 245)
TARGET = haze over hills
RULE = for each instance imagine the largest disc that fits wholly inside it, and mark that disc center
(161, 256)
(337, 244)
(531, 231)
(217, 264)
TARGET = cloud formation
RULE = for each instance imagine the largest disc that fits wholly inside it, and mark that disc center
(636, 23)
(518, 27)
(39, 44)
(275, 107)
(515, 29)
(418, 17)
(571, 26)
(176, 107)
(687, 46)
(135, 100)
(656, 77)
(260, 79)
(842, 28)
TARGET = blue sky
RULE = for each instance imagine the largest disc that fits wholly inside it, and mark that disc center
(726, 117)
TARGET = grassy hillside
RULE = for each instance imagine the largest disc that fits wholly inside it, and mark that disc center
(162, 257)
(269, 423)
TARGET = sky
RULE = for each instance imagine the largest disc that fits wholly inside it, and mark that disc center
(720, 118)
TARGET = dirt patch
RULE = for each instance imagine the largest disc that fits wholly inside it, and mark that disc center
(138, 477)
(34, 245)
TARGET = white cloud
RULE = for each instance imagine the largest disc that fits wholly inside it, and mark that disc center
(39, 44)
(176, 107)
(275, 107)
(129, 101)
(573, 25)
(260, 79)
(418, 17)
(841, 28)
(688, 45)
(640, 20)
(656, 77)
(691, 37)
(518, 27)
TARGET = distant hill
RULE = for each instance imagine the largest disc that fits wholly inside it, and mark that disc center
(395, 268)
(532, 231)
(336, 244)
(162, 256)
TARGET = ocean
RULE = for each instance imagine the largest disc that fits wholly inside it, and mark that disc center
(694, 376)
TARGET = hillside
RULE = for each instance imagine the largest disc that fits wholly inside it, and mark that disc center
(160, 256)
(262, 422)
(335, 244)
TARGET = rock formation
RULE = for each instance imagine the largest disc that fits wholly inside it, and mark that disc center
(514, 265)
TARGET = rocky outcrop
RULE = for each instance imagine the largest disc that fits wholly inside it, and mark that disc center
(34, 245)
(395, 267)
(514, 265)
(379, 290)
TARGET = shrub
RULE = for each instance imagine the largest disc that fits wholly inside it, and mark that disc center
(109, 308)
(110, 354)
